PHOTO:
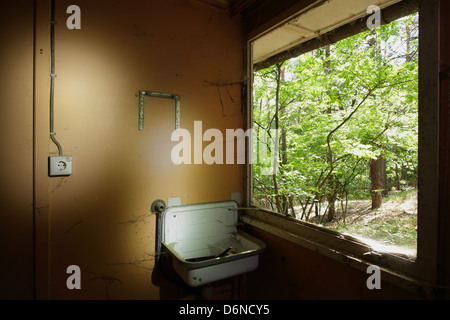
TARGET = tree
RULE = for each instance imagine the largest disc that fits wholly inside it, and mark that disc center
(347, 117)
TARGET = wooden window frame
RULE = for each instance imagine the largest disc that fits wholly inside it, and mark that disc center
(422, 274)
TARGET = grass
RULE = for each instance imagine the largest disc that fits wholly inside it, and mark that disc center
(392, 227)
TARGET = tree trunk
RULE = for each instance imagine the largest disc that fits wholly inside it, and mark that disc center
(275, 191)
(377, 173)
(277, 107)
(282, 108)
(385, 191)
(331, 195)
(331, 207)
(376, 179)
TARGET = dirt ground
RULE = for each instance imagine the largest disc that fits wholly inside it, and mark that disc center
(392, 227)
(361, 209)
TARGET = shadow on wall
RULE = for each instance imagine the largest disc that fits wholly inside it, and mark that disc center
(101, 221)
(164, 275)
(171, 286)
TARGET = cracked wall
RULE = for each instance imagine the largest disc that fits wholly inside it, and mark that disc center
(99, 217)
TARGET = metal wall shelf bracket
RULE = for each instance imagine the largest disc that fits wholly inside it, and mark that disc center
(144, 93)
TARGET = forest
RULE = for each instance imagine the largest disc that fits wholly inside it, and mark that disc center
(346, 117)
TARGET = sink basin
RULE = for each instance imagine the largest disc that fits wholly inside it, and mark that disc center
(205, 243)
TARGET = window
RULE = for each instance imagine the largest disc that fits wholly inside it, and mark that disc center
(346, 118)
(339, 111)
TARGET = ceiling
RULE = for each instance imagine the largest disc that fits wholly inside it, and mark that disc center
(234, 6)
(320, 18)
(311, 22)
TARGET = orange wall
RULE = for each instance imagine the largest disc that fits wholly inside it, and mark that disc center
(99, 217)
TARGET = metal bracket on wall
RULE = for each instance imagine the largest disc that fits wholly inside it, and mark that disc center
(143, 93)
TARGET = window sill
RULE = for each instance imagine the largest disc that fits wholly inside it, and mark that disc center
(340, 247)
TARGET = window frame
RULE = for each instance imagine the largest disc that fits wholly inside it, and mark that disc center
(421, 274)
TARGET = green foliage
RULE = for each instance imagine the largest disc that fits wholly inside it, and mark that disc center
(338, 108)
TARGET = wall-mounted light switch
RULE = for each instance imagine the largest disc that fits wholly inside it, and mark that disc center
(59, 166)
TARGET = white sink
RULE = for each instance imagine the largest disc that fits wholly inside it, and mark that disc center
(194, 235)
